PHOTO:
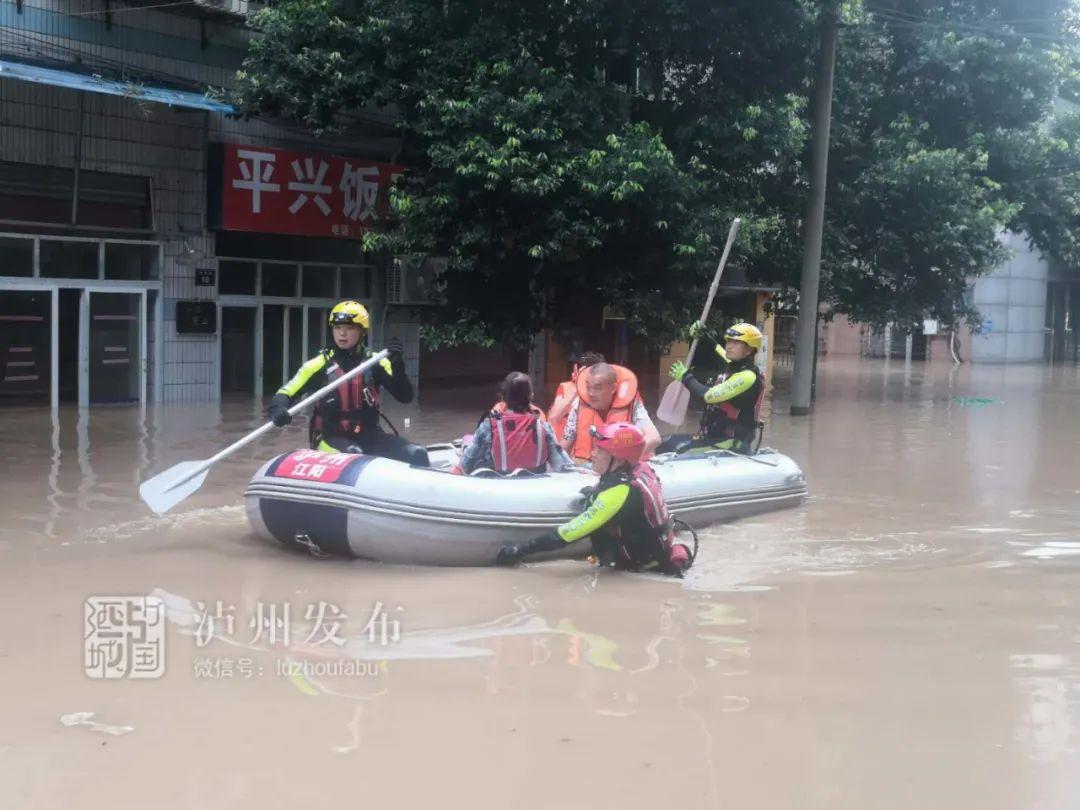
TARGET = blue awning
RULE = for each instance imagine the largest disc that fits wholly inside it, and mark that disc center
(95, 84)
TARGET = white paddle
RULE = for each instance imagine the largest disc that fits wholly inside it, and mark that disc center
(677, 397)
(166, 489)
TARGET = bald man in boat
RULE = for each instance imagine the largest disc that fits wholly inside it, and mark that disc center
(607, 394)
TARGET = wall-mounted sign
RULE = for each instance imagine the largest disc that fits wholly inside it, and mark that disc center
(196, 317)
(257, 188)
(204, 277)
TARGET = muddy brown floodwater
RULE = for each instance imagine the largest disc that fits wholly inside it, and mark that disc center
(908, 639)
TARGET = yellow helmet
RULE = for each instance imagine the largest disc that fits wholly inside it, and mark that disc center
(745, 332)
(350, 312)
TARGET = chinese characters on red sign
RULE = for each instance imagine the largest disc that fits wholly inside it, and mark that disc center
(279, 191)
(314, 465)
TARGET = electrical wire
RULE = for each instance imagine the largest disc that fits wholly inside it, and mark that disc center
(905, 19)
(132, 8)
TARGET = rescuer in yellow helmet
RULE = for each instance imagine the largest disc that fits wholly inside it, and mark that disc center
(347, 420)
(732, 400)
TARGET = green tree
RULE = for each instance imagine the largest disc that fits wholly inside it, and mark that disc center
(547, 181)
(564, 156)
(934, 102)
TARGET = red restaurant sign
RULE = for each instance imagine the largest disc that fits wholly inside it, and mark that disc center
(280, 191)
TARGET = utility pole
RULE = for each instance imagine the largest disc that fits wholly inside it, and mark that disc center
(814, 222)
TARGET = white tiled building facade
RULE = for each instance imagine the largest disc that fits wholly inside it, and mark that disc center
(44, 126)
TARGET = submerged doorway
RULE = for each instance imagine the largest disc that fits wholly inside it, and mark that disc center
(82, 345)
(238, 355)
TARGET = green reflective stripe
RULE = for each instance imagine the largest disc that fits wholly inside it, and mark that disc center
(738, 383)
(327, 448)
(726, 444)
(304, 375)
(387, 366)
(605, 506)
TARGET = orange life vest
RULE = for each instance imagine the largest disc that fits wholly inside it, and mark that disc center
(622, 408)
(566, 389)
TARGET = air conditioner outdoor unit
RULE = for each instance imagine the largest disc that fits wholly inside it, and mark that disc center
(241, 8)
(413, 283)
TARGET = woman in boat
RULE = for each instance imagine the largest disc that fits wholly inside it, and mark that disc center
(514, 435)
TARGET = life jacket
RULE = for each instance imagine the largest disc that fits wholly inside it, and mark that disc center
(565, 390)
(644, 479)
(660, 549)
(500, 407)
(736, 419)
(517, 440)
(352, 407)
(622, 408)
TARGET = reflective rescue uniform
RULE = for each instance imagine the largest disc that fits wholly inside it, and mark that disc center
(629, 524)
(730, 418)
(732, 407)
(347, 419)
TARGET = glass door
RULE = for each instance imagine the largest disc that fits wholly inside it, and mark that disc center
(318, 330)
(26, 347)
(282, 344)
(238, 349)
(113, 348)
(272, 340)
(294, 340)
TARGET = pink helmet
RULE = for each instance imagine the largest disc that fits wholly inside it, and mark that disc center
(623, 440)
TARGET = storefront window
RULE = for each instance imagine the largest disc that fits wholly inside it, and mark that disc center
(16, 256)
(319, 282)
(236, 278)
(63, 259)
(131, 262)
(279, 279)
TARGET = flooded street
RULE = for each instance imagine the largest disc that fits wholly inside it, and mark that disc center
(908, 638)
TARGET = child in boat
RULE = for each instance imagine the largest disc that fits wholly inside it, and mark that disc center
(514, 435)
(625, 516)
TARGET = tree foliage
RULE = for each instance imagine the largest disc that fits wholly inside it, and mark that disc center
(568, 155)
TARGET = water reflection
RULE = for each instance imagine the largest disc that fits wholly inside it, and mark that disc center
(917, 616)
(1050, 683)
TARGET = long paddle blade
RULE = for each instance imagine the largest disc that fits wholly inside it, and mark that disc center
(166, 489)
(674, 404)
(677, 398)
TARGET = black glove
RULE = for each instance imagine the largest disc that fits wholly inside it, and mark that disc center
(583, 501)
(279, 414)
(395, 346)
(510, 554)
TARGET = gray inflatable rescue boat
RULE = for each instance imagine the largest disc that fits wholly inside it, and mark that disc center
(378, 509)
